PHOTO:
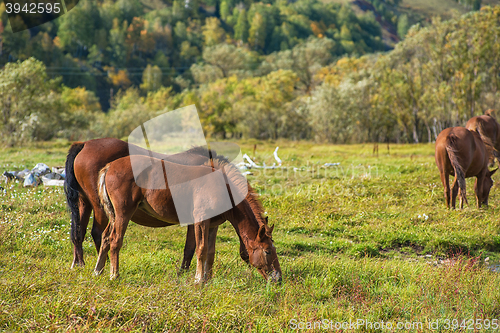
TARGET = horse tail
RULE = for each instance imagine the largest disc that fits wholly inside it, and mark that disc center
(103, 194)
(452, 150)
(72, 189)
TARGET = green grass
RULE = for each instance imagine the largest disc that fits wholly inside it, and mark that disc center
(352, 240)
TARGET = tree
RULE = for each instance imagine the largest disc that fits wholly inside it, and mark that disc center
(117, 44)
(212, 32)
(151, 78)
(120, 78)
(128, 112)
(304, 59)
(77, 29)
(224, 60)
(28, 102)
(82, 109)
(138, 39)
(241, 27)
(224, 10)
(403, 26)
(257, 32)
(227, 58)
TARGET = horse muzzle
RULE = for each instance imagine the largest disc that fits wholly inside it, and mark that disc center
(275, 277)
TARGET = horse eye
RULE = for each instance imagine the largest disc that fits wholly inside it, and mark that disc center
(267, 252)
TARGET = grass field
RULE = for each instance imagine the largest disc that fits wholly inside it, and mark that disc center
(369, 240)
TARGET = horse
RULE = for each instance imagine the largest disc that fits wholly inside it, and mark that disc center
(462, 153)
(489, 130)
(83, 163)
(123, 190)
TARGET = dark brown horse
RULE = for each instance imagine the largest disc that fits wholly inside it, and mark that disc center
(123, 190)
(83, 163)
(489, 130)
(462, 153)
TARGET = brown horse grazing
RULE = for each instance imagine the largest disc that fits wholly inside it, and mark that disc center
(489, 130)
(83, 163)
(462, 153)
(121, 196)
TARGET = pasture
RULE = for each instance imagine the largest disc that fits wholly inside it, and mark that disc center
(369, 239)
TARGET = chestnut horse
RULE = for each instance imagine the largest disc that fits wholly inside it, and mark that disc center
(462, 153)
(489, 130)
(83, 163)
(123, 190)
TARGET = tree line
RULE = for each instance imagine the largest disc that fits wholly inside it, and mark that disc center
(438, 76)
(108, 45)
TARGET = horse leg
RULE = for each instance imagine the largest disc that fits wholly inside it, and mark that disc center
(189, 249)
(445, 179)
(461, 205)
(85, 210)
(96, 236)
(478, 188)
(100, 223)
(454, 193)
(212, 237)
(201, 231)
(116, 243)
(103, 252)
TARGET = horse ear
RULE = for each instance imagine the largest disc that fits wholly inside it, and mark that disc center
(261, 233)
(271, 229)
(267, 220)
(493, 171)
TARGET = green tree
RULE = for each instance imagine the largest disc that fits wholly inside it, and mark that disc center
(241, 27)
(78, 26)
(151, 78)
(403, 26)
(117, 44)
(225, 11)
(224, 60)
(257, 32)
(304, 60)
(29, 105)
(212, 32)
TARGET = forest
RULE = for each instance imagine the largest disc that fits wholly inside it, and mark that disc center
(266, 70)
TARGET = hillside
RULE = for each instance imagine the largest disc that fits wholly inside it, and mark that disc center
(302, 70)
(106, 46)
(417, 11)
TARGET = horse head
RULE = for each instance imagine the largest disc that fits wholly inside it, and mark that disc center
(487, 185)
(262, 254)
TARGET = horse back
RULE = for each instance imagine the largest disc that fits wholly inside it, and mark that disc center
(462, 146)
(92, 158)
(157, 188)
(487, 127)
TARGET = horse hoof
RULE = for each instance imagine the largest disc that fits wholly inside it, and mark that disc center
(77, 264)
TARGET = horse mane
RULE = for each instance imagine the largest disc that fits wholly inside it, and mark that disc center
(236, 178)
(490, 112)
(490, 145)
(204, 151)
